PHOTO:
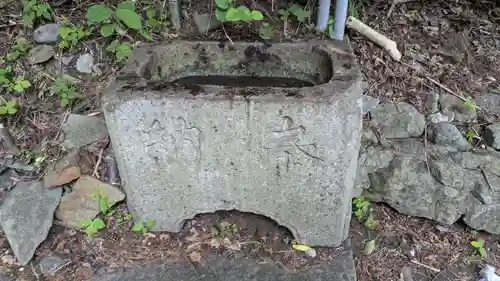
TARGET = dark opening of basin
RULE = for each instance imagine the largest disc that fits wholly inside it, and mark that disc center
(244, 81)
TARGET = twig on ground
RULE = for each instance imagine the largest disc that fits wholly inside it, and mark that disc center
(96, 167)
(227, 35)
(426, 266)
(34, 271)
(387, 44)
(61, 267)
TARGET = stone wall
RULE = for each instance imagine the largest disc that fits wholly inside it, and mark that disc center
(422, 164)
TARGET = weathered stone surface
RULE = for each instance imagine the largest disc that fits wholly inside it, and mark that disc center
(64, 171)
(47, 33)
(448, 134)
(369, 103)
(438, 117)
(6, 179)
(41, 53)
(407, 186)
(492, 136)
(80, 203)
(81, 130)
(26, 217)
(216, 268)
(205, 22)
(463, 113)
(253, 147)
(399, 120)
(489, 103)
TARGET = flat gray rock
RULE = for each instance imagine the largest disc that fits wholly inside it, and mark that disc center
(26, 217)
(41, 53)
(85, 63)
(217, 268)
(81, 130)
(286, 153)
(448, 134)
(80, 203)
(398, 120)
(47, 33)
(462, 112)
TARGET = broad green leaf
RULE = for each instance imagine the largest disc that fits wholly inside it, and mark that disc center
(146, 35)
(11, 103)
(257, 15)
(108, 30)
(151, 223)
(138, 227)
(127, 5)
(98, 13)
(129, 18)
(86, 222)
(477, 243)
(91, 231)
(220, 14)
(11, 110)
(99, 224)
(28, 18)
(25, 84)
(3, 110)
(482, 253)
(222, 4)
(233, 14)
(113, 46)
(64, 102)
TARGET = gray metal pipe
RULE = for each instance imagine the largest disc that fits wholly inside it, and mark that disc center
(340, 16)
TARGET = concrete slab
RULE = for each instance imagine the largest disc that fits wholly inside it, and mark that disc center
(273, 130)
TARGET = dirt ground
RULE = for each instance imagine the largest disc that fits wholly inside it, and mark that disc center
(455, 43)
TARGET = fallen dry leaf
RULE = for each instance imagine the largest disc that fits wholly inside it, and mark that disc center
(195, 256)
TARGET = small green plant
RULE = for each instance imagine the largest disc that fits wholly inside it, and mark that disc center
(479, 246)
(364, 213)
(300, 13)
(33, 157)
(66, 91)
(5, 76)
(92, 226)
(115, 21)
(19, 85)
(470, 134)
(155, 23)
(105, 205)
(33, 11)
(141, 227)
(266, 31)
(470, 103)
(19, 49)
(226, 11)
(9, 107)
(70, 36)
(121, 50)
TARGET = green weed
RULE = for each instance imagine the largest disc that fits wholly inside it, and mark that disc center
(266, 31)
(115, 20)
(226, 11)
(143, 228)
(9, 107)
(70, 36)
(121, 50)
(19, 85)
(66, 91)
(92, 226)
(479, 246)
(34, 11)
(364, 213)
(19, 49)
